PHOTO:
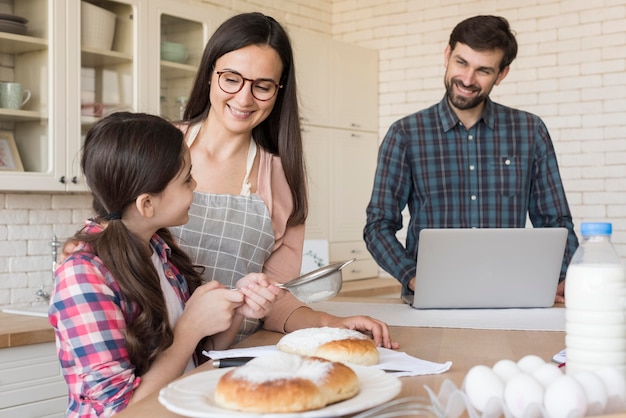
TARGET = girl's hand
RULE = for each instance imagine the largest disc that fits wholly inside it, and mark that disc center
(259, 293)
(209, 310)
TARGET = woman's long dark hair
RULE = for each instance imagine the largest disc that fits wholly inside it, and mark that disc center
(124, 156)
(280, 133)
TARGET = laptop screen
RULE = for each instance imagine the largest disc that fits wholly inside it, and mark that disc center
(488, 267)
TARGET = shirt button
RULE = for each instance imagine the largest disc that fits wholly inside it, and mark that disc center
(507, 162)
(471, 167)
(470, 137)
(474, 197)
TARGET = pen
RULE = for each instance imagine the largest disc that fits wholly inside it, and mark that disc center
(231, 362)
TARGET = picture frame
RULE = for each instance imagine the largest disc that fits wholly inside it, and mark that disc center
(9, 155)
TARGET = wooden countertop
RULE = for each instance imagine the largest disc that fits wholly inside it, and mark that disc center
(16, 330)
(464, 347)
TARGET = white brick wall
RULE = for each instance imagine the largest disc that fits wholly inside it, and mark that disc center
(570, 70)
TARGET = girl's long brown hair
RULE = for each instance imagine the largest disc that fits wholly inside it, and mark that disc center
(124, 156)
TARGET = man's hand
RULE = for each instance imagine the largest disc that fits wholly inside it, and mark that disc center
(560, 293)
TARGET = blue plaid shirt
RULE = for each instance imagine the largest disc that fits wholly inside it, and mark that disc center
(490, 176)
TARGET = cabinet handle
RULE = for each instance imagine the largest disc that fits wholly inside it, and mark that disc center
(355, 135)
(75, 180)
(355, 125)
(355, 251)
(355, 271)
(62, 180)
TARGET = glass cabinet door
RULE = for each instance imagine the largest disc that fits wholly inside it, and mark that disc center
(27, 70)
(105, 69)
(179, 35)
(181, 46)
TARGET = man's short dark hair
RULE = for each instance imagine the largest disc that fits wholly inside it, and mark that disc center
(486, 33)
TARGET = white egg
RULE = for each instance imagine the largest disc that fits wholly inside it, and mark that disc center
(481, 385)
(615, 383)
(521, 392)
(530, 363)
(565, 398)
(595, 391)
(547, 373)
(506, 369)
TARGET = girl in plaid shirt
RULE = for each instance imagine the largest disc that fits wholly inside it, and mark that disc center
(128, 306)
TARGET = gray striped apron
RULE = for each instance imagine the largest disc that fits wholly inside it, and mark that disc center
(231, 236)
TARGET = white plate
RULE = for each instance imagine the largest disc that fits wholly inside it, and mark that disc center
(192, 396)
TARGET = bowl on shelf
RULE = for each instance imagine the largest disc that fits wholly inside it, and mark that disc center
(173, 51)
(98, 26)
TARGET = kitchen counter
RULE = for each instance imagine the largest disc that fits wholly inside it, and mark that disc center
(17, 330)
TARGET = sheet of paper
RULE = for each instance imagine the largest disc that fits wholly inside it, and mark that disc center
(389, 360)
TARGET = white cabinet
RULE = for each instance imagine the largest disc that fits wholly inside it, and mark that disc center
(175, 29)
(35, 59)
(31, 384)
(340, 169)
(83, 59)
(338, 92)
(354, 87)
(312, 57)
(337, 82)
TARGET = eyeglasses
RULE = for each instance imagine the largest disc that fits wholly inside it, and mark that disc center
(262, 89)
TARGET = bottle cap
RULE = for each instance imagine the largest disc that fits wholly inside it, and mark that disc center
(596, 228)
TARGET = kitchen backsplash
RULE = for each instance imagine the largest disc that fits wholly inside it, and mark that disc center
(28, 223)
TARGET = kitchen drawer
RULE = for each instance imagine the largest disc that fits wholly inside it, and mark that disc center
(359, 269)
(31, 381)
(340, 251)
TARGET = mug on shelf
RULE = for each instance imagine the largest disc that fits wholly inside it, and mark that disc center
(12, 95)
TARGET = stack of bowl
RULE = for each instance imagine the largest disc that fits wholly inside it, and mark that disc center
(173, 51)
(13, 24)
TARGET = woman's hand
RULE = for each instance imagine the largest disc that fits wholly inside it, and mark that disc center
(209, 311)
(377, 330)
(306, 317)
(259, 293)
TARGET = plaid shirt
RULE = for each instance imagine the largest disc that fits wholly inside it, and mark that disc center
(89, 316)
(492, 175)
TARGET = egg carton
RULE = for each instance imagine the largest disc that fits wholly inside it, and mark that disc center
(452, 402)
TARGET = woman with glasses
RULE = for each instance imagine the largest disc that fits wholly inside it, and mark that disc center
(242, 126)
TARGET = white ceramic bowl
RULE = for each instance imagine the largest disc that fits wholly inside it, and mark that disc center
(173, 51)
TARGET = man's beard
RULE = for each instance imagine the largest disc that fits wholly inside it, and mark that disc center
(463, 103)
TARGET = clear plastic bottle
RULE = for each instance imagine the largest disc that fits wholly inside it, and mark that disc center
(595, 301)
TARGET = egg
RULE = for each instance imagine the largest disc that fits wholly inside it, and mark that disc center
(595, 391)
(565, 398)
(481, 385)
(547, 373)
(616, 389)
(506, 369)
(530, 363)
(523, 392)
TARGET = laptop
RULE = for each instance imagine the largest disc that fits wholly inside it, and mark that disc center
(488, 268)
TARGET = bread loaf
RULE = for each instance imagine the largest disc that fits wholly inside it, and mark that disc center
(335, 344)
(280, 382)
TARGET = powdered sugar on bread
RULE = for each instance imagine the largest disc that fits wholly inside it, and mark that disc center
(281, 382)
(277, 365)
(336, 344)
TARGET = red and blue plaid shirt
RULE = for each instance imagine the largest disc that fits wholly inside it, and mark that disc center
(89, 316)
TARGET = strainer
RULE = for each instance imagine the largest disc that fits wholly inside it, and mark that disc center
(317, 285)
